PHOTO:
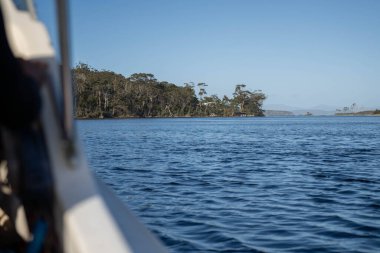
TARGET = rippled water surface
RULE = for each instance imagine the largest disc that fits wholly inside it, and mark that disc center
(297, 184)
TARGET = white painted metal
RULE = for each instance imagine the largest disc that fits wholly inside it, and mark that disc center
(89, 218)
(28, 37)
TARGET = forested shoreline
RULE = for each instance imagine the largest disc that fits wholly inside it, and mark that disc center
(105, 94)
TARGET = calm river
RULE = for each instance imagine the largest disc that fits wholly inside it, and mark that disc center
(273, 184)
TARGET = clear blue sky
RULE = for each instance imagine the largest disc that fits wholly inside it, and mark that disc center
(300, 53)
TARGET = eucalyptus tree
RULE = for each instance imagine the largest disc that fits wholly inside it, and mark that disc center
(191, 99)
(240, 97)
(88, 91)
(105, 93)
(143, 93)
(228, 110)
(254, 104)
(202, 90)
(248, 102)
(213, 106)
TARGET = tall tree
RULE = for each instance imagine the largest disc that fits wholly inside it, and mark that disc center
(107, 94)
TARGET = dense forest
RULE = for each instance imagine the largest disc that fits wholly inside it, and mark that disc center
(105, 94)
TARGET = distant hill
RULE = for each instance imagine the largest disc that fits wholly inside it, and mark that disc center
(319, 110)
(316, 110)
(362, 113)
(277, 113)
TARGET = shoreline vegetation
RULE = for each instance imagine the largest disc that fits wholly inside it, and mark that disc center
(101, 94)
(353, 111)
(363, 113)
(106, 94)
(278, 113)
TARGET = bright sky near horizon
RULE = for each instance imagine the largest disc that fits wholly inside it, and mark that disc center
(300, 53)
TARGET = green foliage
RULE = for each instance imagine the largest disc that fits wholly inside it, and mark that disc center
(107, 94)
(246, 102)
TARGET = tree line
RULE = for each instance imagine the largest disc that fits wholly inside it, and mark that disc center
(103, 93)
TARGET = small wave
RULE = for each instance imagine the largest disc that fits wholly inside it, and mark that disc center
(336, 234)
(117, 168)
(281, 185)
(323, 200)
(375, 205)
(358, 180)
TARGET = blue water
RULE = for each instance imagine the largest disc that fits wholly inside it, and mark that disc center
(281, 184)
